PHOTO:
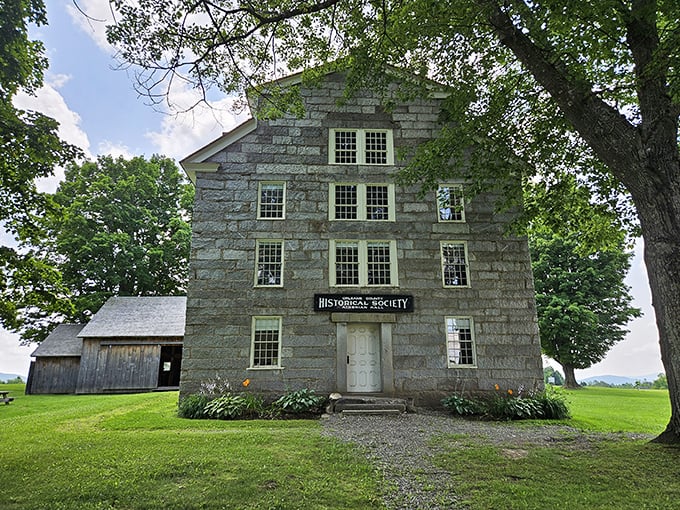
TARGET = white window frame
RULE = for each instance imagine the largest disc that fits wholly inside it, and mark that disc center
(362, 246)
(452, 338)
(258, 244)
(442, 264)
(259, 200)
(254, 330)
(459, 188)
(361, 146)
(362, 201)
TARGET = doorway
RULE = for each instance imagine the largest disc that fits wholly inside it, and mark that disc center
(363, 358)
(170, 366)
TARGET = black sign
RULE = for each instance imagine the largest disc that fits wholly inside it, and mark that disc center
(357, 303)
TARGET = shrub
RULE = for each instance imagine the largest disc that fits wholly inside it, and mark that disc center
(547, 405)
(193, 407)
(554, 405)
(300, 401)
(253, 406)
(514, 408)
(463, 406)
(226, 407)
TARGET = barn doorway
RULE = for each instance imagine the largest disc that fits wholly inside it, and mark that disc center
(170, 366)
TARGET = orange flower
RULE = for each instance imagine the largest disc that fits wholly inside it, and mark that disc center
(497, 387)
(509, 392)
(246, 383)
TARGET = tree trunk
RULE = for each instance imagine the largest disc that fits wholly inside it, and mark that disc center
(570, 377)
(661, 233)
(642, 155)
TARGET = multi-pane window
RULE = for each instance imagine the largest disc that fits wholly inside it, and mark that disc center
(346, 263)
(269, 264)
(345, 145)
(450, 203)
(378, 263)
(455, 272)
(271, 199)
(460, 343)
(266, 342)
(363, 263)
(370, 202)
(361, 146)
(376, 147)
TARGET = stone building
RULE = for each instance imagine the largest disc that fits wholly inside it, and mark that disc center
(311, 268)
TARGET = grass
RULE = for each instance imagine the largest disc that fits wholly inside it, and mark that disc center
(604, 465)
(619, 410)
(132, 452)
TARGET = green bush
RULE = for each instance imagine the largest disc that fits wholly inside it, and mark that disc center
(547, 405)
(254, 406)
(554, 405)
(463, 406)
(226, 407)
(300, 401)
(513, 408)
(193, 407)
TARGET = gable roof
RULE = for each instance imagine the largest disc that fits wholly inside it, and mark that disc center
(198, 161)
(62, 341)
(134, 316)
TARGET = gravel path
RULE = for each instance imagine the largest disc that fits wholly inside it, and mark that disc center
(400, 447)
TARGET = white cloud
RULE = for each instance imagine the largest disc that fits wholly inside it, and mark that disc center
(49, 101)
(192, 124)
(109, 148)
(92, 16)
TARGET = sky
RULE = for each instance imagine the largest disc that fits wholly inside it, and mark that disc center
(99, 111)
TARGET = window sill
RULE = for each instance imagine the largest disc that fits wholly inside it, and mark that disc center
(257, 369)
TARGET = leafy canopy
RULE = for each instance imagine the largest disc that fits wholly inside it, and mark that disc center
(120, 227)
(30, 149)
(516, 124)
(582, 300)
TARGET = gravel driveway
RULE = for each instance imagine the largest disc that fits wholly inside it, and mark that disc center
(401, 449)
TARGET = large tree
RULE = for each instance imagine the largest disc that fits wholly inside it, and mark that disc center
(29, 148)
(582, 300)
(537, 88)
(119, 227)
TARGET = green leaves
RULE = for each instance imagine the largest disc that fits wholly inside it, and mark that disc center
(116, 227)
(581, 298)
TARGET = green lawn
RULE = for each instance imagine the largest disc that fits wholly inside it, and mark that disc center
(619, 410)
(608, 464)
(132, 452)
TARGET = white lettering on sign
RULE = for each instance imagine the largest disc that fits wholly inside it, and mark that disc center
(363, 303)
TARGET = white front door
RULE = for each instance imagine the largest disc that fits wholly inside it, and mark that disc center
(363, 358)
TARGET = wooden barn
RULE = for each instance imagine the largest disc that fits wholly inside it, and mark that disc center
(131, 344)
(57, 361)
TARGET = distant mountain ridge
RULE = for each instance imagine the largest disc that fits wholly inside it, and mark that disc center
(618, 380)
(6, 377)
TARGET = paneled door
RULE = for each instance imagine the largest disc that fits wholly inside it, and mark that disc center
(363, 358)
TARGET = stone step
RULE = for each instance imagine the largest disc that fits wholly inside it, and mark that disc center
(381, 412)
(372, 406)
(368, 405)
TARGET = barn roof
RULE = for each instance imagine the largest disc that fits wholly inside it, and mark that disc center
(138, 317)
(62, 341)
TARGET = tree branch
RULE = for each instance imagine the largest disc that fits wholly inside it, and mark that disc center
(610, 135)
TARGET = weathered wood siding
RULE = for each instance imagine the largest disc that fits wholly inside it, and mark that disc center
(121, 365)
(54, 375)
